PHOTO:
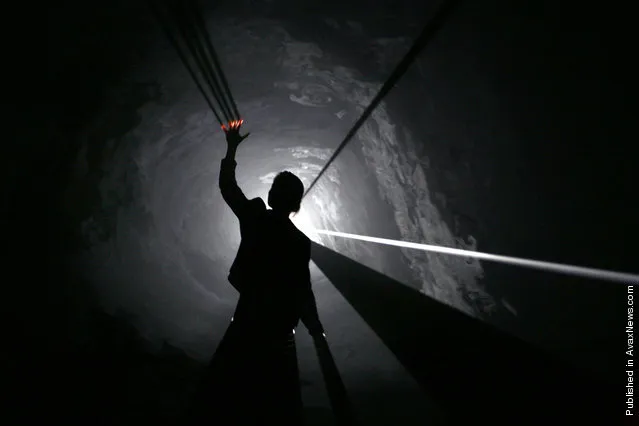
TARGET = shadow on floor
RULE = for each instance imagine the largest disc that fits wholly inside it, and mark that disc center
(338, 397)
(472, 370)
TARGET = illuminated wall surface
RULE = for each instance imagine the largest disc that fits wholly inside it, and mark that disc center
(507, 136)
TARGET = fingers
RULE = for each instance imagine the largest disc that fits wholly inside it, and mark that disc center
(233, 125)
(232, 131)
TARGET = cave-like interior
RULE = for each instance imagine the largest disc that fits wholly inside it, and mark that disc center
(509, 134)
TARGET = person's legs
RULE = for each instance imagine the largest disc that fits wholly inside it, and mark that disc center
(253, 379)
(224, 390)
(281, 384)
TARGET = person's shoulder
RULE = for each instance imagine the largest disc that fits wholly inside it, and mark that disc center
(257, 203)
(302, 243)
(303, 237)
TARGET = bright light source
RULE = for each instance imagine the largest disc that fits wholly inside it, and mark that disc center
(303, 222)
(602, 274)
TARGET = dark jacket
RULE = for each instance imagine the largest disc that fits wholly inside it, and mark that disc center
(271, 269)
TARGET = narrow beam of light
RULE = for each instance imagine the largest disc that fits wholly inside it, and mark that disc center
(581, 271)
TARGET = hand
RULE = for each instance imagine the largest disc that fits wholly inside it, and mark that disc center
(317, 332)
(320, 336)
(233, 137)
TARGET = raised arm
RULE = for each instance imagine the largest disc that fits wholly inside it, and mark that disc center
(229, 188)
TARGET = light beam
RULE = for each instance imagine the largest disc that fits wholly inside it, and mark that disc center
(622, 277)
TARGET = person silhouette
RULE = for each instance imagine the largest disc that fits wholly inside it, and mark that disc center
(254, 370)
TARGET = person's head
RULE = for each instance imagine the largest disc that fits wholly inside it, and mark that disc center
(286, 193)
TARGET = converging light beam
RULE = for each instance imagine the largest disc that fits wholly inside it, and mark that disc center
(621, 277)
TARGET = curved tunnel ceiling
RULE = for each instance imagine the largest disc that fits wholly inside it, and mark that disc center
(163, 237)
